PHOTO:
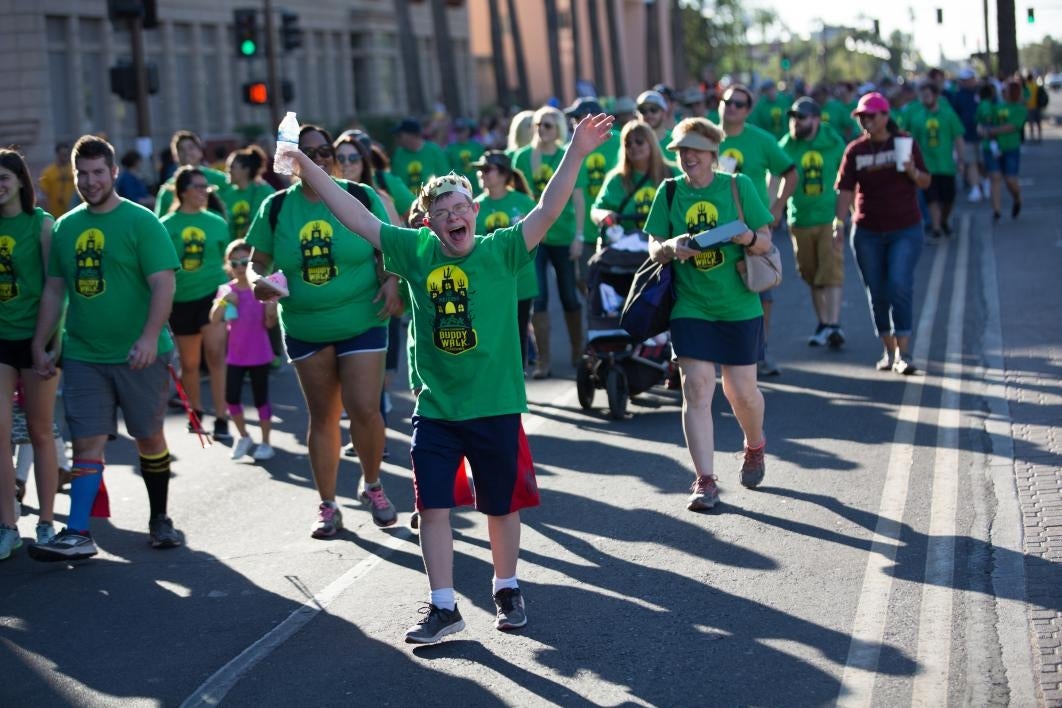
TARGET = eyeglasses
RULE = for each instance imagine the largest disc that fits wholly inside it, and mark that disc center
(736, 104)
(547, 126)
(631, 142)
(650, 109)
(444, 214)
(237, 262)
(322, 152)
(347, 159)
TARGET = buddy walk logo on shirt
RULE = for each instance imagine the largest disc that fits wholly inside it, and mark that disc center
(193, 242)
(8, 277)
(452, 326)
(701, 217)
(88, 263)
(315, 243)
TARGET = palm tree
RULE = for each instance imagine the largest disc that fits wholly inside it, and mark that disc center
(678, 45)
(444, 50)
(407, 44)
(618, 75)
(518, 51)
(501, 75)
(577, 55)
(595, 45)
(553, 40)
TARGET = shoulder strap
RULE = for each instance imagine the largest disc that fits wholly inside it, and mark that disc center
(630, 195)
(670, 185)
(355, 190)
(737, 199)
(358, 192)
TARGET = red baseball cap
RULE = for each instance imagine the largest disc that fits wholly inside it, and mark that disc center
(872, 102)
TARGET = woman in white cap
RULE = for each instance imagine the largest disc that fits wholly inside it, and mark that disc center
(716, 318)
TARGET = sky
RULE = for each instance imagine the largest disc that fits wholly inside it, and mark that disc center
(963, 30)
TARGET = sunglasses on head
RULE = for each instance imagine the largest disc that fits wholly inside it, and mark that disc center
(324, 151)
(235, 262)
(348, 159)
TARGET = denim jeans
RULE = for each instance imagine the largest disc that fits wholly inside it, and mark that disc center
(560, 258)
(887, 261)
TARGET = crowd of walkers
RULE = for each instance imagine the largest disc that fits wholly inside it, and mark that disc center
(235, 268)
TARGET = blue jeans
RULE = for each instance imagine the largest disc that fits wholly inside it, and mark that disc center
(560, 258)
(887, 261)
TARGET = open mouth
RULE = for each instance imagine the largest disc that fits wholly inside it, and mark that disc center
(458, 234)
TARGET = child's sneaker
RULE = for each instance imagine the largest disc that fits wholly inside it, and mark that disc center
(329, 520)
(242, 447)
(9, 541)
(66, 546)
(264, 452)
(383, 511)
(435, 625)
(511, 612)
(45, 532)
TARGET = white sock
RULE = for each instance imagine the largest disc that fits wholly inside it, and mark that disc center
(502, 583)
(444, 598)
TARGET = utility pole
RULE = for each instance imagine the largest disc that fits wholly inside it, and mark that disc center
(275, 98)
(1007, 38)
(143, 116)
(652, 42)
(988, 47)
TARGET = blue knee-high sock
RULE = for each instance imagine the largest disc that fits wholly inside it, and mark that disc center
(83, 490)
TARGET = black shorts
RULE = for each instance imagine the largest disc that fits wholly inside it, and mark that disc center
(189, 317)
(941, 189)
(17, 353)
(737, 343)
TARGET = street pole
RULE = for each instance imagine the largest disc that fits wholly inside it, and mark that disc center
(988, 47)
(143, 116)
(275, 98)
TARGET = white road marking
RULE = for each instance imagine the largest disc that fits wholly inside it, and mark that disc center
(868, 626)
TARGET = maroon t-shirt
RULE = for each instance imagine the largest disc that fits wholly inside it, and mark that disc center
(885, 199)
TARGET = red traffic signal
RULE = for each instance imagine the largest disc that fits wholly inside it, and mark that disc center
(256, 93)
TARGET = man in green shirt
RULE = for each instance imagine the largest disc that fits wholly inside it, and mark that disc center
(939, 133)
(187, 149)
(416, 160)
(115, 262)
(769, 112)
(463, 151)
(816, 150)
(653, 108)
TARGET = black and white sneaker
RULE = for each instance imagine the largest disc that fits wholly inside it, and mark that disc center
(66, 546)
(436, 624)
(162, 533)
(820, 338)
(511, 612)
(221, 430)
(835, 338)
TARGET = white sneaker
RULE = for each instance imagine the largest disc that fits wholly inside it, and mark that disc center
(263, 452)
(9, 541)
(242, 447)
(975, 195)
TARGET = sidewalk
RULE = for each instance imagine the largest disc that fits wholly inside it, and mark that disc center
(1029, 253)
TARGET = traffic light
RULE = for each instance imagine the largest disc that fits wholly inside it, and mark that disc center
(146, 10)
(1030, 16)
(877, 28)
(290, 32)
(940, 16)
(786, 62)
(123, 80)
(245, 21)
(256, 93)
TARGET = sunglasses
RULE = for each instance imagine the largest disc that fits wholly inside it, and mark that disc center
(650, 109)
(236, 262)
(736, 104)
(347, 159)
(631, 142)
(322, 152)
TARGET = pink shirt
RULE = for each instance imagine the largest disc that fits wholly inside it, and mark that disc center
(248, 339)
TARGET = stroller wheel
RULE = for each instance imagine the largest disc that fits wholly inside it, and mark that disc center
(616, 387)
(584, 386)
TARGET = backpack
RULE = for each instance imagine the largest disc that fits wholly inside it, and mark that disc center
(1041, 97)
(353, 188)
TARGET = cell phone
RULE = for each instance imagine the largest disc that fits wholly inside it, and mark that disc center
(720, 234)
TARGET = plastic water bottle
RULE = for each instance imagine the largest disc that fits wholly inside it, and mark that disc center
(288, 132)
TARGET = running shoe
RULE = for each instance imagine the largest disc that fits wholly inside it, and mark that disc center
(704, 494)
(884, 363)
(1015, 209)
(198, 430)
(753, 468)
(45, 532)
(435, 625)
(511, 612)
(836, 338)
(821, 336)
(242, 447)
(903, 365)
(768, 367)
(329, 520)
(264, 451)
(383, 511)
(162, 533)
(10, 541)
(349, 450)
(20, 490)
(975, 194)
(221, 430)
(66, 546)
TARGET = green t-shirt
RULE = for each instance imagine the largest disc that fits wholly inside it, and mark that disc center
(669, 155)
(839, 117)
(105, 260)
(461, 157)
(394, 187)
(597, 165)
(757, 153)
(772, 115)
(708, 286)
(331, 271)
(636, 209)
(21, 273)
(986, 116)
(242, 204)
(416, 168)
(1010, 114)
(200, 241)
(164, 199)
(562, 233)
(467, 354)
(817, 161)
(500, 214)
(935, 132)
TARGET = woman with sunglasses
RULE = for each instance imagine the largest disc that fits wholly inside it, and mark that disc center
(354, 164)
(887, 233)
(716, 320)
(563, 244)
(629, 189)
(24, 248)
(334, 319)
(200, 238)
(506, 199)
(247, 188)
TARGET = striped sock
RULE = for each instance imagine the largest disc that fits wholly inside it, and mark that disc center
(155, 469)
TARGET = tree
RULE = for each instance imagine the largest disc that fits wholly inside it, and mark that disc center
(497, 51)
(1008, 38)
(553, 41)
(444, 51)
(597, 55)
(619, 76)
(1042, 56)
(522, 84)
(407, 44)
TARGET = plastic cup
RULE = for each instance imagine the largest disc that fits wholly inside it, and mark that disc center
(902, 148)
(727, 163)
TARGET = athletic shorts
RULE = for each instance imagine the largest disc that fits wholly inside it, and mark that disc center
(503, 472)
(372, 340)
(737, 343)
(941, 189)
(93, 393)
(187, 318)
(818, 262)
(17, 353)
(1009, 162)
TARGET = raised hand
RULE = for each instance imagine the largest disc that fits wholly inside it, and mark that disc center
(591, 132)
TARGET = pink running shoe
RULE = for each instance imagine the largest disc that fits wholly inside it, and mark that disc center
(383, 511)
(329, 521)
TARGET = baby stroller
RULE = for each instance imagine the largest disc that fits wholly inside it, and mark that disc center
(613, 360)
